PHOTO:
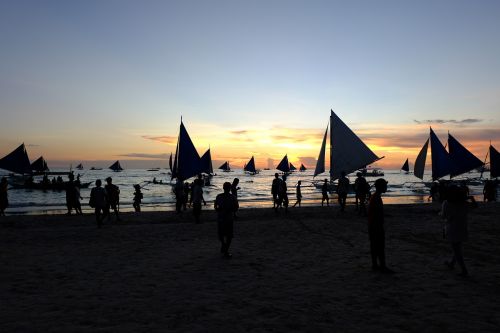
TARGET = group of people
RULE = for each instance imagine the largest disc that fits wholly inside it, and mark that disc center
(104, 199)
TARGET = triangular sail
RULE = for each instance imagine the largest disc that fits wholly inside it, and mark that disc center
(40, 165)
(17, 161)
(302, 167)
(406, 166)
(116, 166)
(463, 160)
(174, 167)
(187, 160)
(206, 163)
(348, 152)
(419, 167)
(320, 163)
(250, 166)
(170, 162)
(441, 161)
(225, 166)
(494, 162)
(283, 165)
(79, 166)
(292, 167)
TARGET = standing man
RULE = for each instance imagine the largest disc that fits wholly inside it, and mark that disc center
(342, 190)
(71, 194)
(376, 227)
(197, 198)
(298, 194)
(225, 205)
(362, 190)
(324, 192)
(113, 193)
(98, 201)
(275, 187)
(179, 195)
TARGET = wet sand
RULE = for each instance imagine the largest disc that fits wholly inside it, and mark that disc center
(307, 271)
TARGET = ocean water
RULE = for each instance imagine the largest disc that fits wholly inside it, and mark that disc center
(255, 191)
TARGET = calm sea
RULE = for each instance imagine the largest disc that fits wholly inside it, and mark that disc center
(255, 190)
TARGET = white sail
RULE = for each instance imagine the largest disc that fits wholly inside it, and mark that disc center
(348, 152)
(320, 164)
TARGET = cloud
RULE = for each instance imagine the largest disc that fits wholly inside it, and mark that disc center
(32, 145)
(449, 121)
(307, 161)
(239, 132)
(146, 155)
(163, 139)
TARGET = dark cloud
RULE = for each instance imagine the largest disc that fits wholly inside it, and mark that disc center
(164, 138)
(448, 121)
(239, 132)
(308, 161)
(146, 155)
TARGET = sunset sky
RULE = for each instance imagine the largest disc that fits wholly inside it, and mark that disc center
(89, 81)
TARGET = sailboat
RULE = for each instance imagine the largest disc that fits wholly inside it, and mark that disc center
(494, 162)
(292, 167)
(40, 165)
(406, 167)
(453, 163)
(347, 152)
(187, 160)
(250, 167)
(17, 161)
(116, 167)
(79, 167)
(225, 167)
(284, 166)
(206, 163)
(302, 168)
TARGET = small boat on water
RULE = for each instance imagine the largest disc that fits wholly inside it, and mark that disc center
(225, 167)
(17, 161)
(250, 167)
(371, 172)
(94, 168)
(302, 168)
(284, 166)
(116, 167)
(406, 167)
(292, 167)
(79, 167)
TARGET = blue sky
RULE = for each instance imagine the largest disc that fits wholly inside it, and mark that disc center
(97, 76)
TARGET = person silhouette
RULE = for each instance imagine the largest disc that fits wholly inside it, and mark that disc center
(137, 198)
(98, 201)
(197, 198)
(376, 227)
(4, 197)
(71, 194)
(283, 195)
(298, 193)
(362, 190)
(275, 189)
(113, 193)
(225, 204)
(342, 189)
(234, 191)
(324, 192)
(179, 195)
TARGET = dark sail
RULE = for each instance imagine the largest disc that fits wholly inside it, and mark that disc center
(40, 165)
(17, 161)
(494, 162)
(292, 167)
(206, 163)
(419, 167)
(302, 167)
(441, 161)
(187, 160)
(116, 166)
(406, 166)
(170, 162)
(284, 166)
(250, 167)
(463, 160)
(79, 166)
(225, 166)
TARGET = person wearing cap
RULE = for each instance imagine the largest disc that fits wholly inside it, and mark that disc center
(225, 205)
(113, 198)
(376, 227)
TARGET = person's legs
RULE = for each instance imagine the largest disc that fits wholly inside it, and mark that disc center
(458, 255)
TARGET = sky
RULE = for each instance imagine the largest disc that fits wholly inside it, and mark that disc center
(96, 81)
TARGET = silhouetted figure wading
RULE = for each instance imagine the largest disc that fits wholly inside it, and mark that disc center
(197, 198)
(113, 193)
(275, 189)
(298, 194)
(225, 205)
(137, 198)
(324, 193)
(98, 201)
(342, 189)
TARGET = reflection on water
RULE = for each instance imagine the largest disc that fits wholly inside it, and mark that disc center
(255, 190)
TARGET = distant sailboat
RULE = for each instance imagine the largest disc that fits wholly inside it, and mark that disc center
(40, 165)
(206, 163)
(406, 167)
(453, 163)
(292, 167)
(347, 152)
(116, 167)
(17, 161)
(225, 167)
(250, 167)
(79, 166)
(284, 166)
(187, 160)
(494, 162)
(302, 168)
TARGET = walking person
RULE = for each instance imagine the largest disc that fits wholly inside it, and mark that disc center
(324, 192)
(113, 193)
(4, 197)
(225, 205)
(275, 189)
(455, 211)
(137, 198)
(342, 189)
(283, 195)
(234, 191)
(197, 198)
(98, 201)
(71, 194)
(298, 194)
(376, 227)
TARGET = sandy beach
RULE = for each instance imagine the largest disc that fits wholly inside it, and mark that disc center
(307, 271)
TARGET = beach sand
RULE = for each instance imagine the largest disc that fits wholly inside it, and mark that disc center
(307, 271)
